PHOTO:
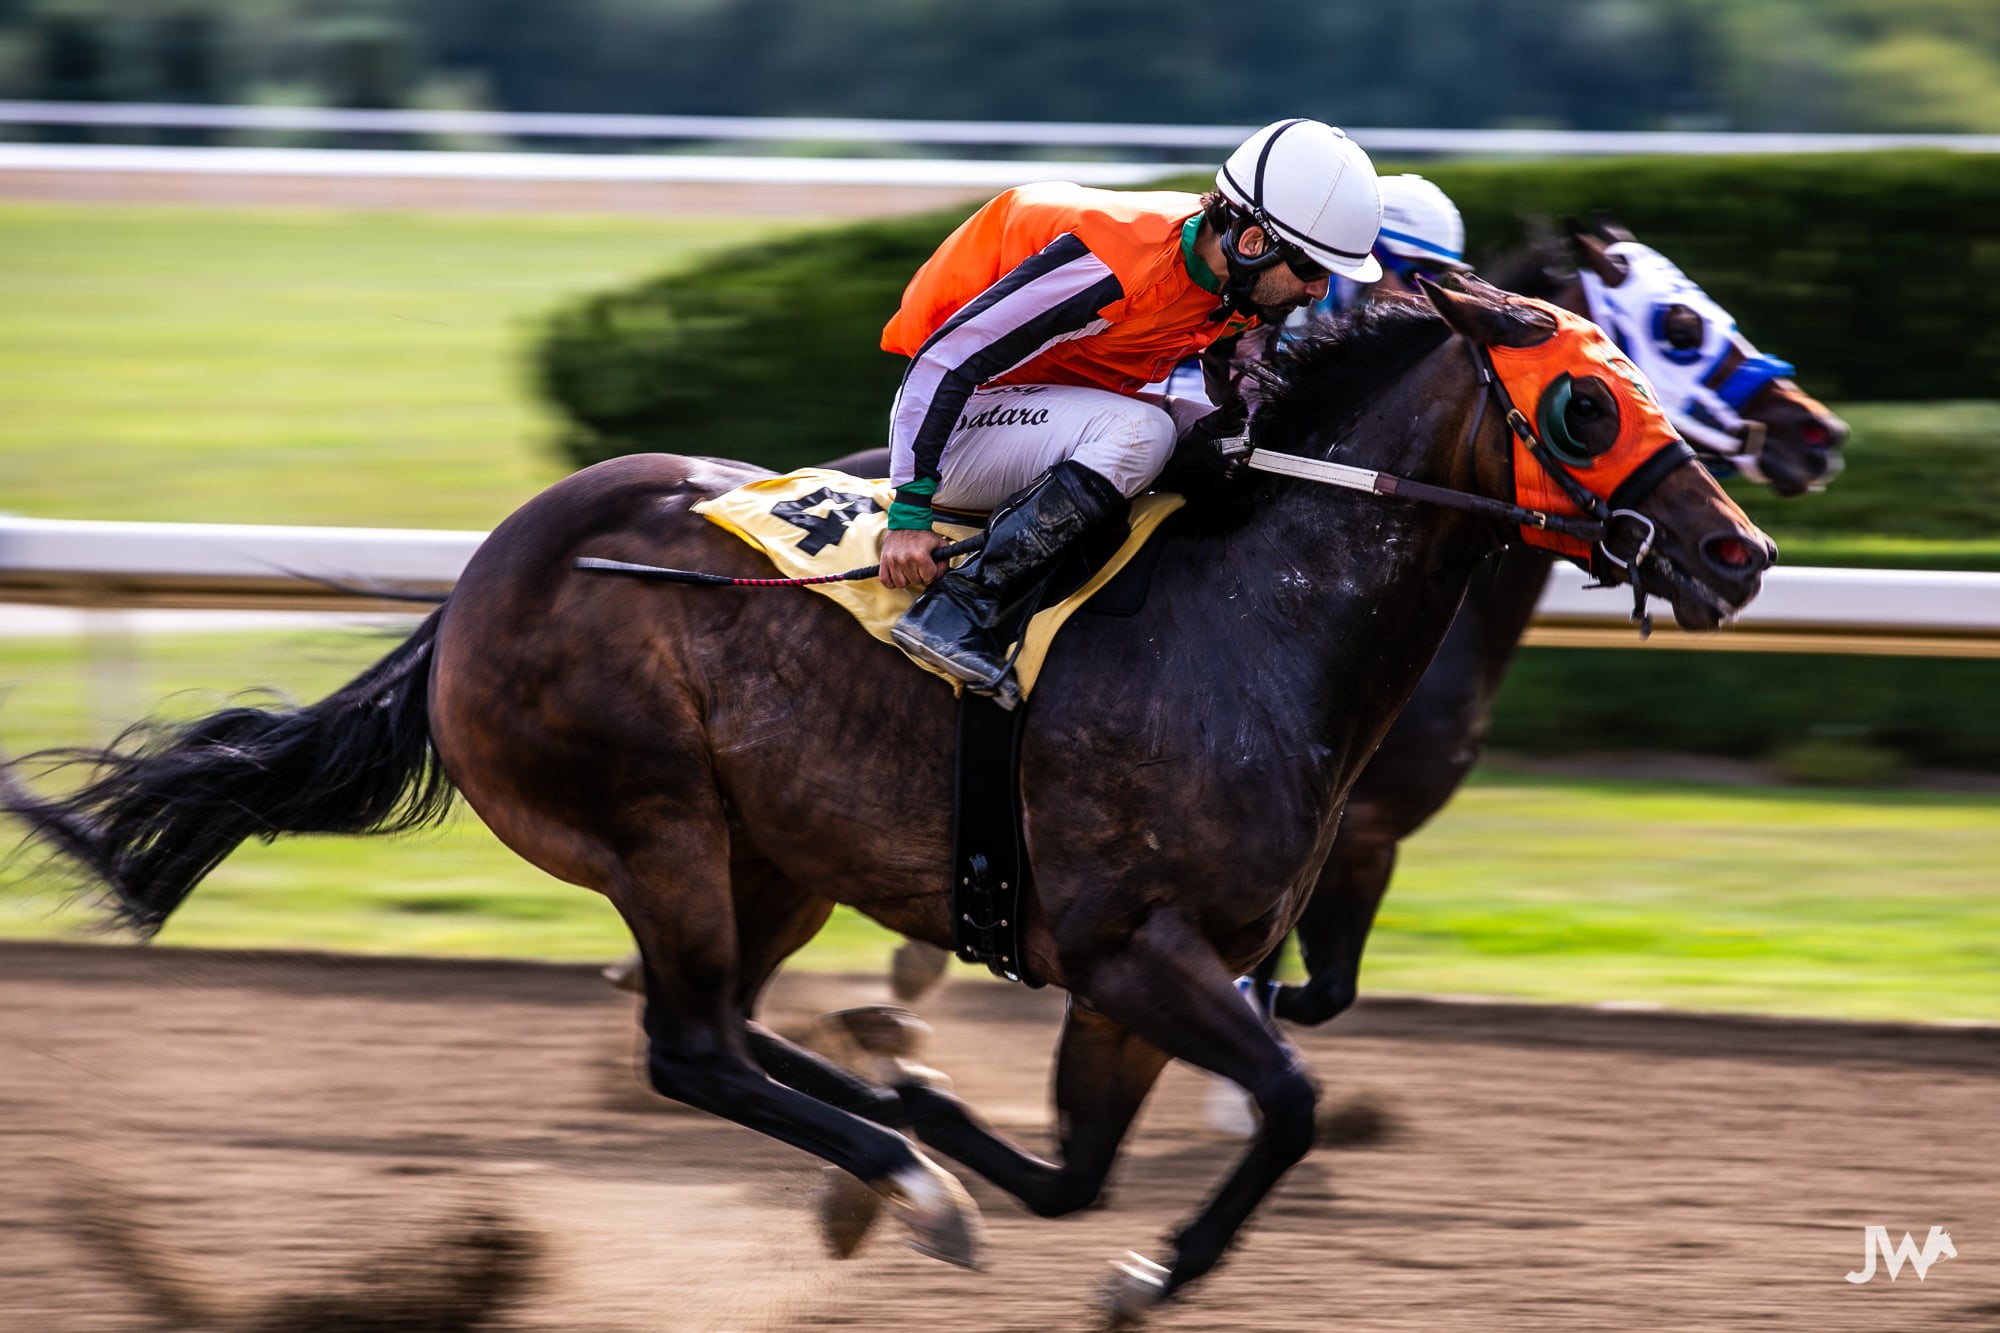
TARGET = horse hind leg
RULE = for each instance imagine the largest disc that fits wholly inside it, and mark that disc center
(676, 896)
(1334, 929)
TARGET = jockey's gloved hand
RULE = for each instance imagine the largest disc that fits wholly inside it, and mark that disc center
(1216, 446)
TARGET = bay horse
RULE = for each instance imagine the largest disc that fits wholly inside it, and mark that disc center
(727, 766)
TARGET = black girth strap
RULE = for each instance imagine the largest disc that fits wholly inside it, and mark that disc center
(990, 878)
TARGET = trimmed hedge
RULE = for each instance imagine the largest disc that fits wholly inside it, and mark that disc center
(770, 353)
(1878, 274)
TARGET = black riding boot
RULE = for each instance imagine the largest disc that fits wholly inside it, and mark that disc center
(965, 621)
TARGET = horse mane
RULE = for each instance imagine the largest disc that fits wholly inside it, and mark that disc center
(1312, 390)
(1319, 384)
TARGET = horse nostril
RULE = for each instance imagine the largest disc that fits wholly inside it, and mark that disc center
(1733, 555)
(1821, 433)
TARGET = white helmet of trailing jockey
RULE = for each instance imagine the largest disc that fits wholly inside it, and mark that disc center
(1313, 191)
(1421, 229)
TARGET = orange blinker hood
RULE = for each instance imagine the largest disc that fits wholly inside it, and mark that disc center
(1537, 380)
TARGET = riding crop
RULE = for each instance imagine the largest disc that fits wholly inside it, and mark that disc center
(659, 574)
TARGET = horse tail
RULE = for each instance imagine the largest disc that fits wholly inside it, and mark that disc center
(166, 803)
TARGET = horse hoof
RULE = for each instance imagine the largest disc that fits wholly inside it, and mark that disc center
(910, 1075)
(847, 1210)
(880, 1029)
(915, 969)
(627, 974)
(1229, 1109)
(944, 1222)
(1137, 1287)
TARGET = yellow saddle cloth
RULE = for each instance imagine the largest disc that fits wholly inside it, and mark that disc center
(815, 521)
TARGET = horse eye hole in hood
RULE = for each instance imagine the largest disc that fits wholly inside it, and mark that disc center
(1578, 418)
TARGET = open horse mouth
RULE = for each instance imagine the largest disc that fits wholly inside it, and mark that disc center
(1731, 573)
(1802, 445)
(1805, 456)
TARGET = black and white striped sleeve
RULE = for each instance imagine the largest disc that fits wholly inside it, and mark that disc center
(1047, 298)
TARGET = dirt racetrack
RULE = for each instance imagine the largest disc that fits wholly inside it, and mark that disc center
(256, 1126)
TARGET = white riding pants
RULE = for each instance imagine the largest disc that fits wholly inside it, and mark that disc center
(1010, 434)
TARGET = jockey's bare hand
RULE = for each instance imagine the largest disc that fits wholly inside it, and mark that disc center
(906, 557)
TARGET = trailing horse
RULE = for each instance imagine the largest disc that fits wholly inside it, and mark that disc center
(725, 766)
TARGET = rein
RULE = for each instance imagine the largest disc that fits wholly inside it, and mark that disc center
(1595, 530)
(1381, 483)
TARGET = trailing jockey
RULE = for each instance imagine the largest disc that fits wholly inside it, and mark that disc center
(1032, 332)
(1422, 237)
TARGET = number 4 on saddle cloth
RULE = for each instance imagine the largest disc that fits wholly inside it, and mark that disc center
(815, 521)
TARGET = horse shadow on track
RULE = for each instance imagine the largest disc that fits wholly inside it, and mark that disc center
(464, 1274)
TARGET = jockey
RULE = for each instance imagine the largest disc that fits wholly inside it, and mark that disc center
(1035, 326)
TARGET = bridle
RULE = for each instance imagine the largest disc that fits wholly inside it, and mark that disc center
(1618, 534)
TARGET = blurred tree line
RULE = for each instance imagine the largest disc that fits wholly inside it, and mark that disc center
(1587, 64)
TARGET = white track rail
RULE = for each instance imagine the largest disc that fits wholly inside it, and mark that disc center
(195, 565)
(62, 562)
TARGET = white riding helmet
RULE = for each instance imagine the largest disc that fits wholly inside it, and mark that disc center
(1312, 187)
(1421, 224)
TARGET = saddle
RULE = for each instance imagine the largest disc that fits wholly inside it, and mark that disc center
(816, 521)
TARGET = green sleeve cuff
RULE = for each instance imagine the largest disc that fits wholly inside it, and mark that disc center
(912, 508)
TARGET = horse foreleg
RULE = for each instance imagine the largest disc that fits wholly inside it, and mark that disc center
(1334, 930)
(1103, 1073)
(1170, 987)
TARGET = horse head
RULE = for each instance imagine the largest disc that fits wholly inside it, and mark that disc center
(1737, 407)
(1583, 440)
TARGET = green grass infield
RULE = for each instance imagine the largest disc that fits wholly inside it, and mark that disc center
(365, 369)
